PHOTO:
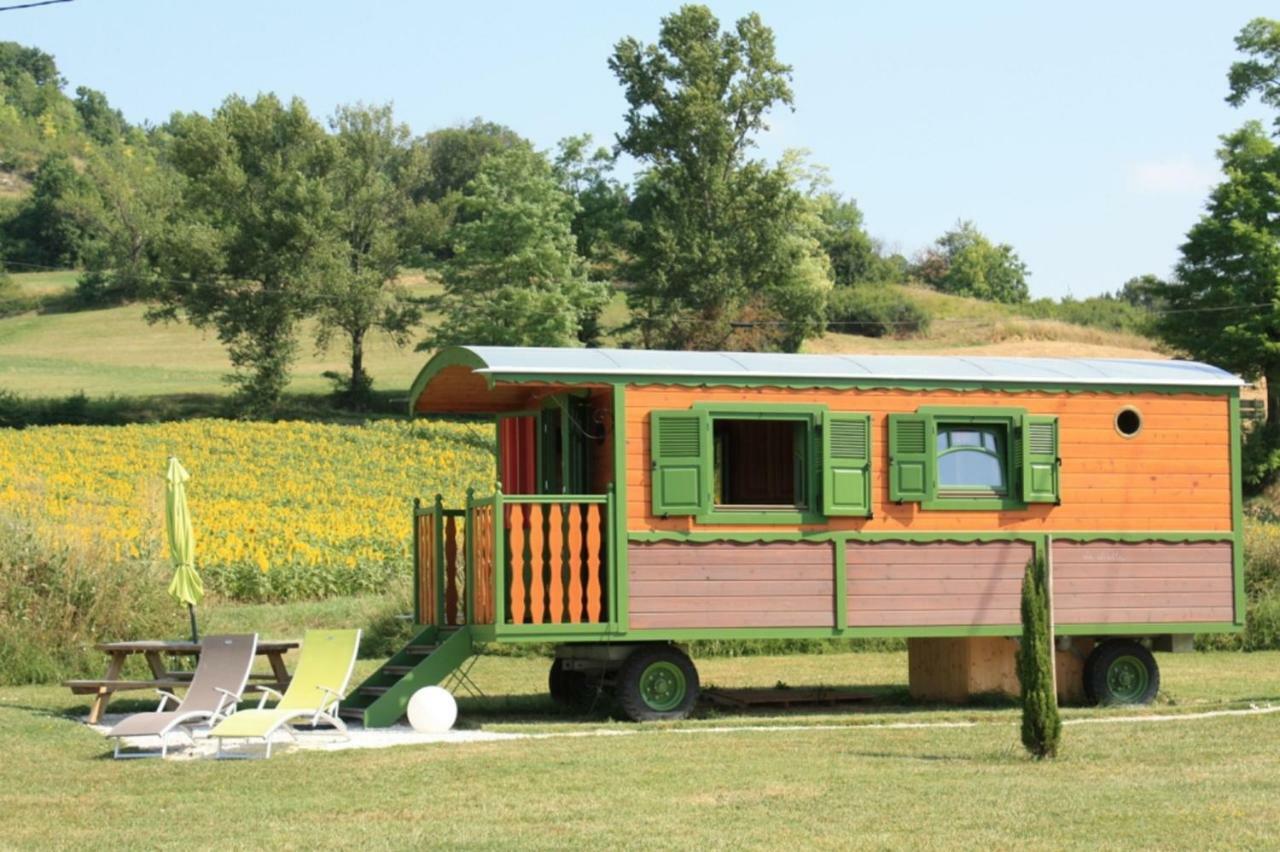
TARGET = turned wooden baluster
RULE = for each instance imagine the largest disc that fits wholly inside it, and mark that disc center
(593, 563)
(516, 533)
(555, 562)
(575, 564)
(537, 590)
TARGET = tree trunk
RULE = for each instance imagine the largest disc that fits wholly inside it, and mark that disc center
(358, 390)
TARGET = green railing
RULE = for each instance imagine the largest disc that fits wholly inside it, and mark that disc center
(515, 561)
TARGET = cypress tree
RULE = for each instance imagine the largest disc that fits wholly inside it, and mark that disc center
(1041, 725)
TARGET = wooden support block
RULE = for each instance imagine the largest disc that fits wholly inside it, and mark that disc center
(957, 670)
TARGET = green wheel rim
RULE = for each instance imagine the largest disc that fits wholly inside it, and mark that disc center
(1127, 680)
(663, 686)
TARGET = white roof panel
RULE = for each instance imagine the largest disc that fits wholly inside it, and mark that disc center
(755, 366)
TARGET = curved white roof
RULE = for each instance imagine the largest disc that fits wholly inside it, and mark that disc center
(513, 361)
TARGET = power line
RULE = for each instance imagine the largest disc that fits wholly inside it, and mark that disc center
(32, 5)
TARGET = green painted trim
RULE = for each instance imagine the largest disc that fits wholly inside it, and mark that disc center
(417, 569)
(469, 555)
(452, 356)
(512, 499)
(552, 632)
(1147, 629)
(761, 410)
(437, 535)
(619, 594)
(640, 380)
(388, 708)
(854, 535)
(500, 559)
(1237, 513)
(841, 590)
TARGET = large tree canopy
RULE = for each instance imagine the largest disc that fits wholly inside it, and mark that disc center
(516, 277)
(257, 234)
(723, 240)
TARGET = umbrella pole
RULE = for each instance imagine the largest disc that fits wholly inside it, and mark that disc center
(191, 610)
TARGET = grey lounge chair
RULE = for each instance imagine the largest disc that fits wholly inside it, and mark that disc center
(216, 686)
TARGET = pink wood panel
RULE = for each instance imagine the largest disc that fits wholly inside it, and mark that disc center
(1103, 582)
(731, 584)
(910, 584)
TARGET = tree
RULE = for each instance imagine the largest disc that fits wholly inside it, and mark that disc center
(516, 277)
(1041, 724)
(372, 204)
(103, 123)
(1229, 272)
(722, 240)
(965, 262)
(39, 233)
(1260, 74)
(127, 203)
(1143, 291)
(256, 236)
(600, 224)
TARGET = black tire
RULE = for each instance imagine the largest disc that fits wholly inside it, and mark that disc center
(573, 689)
(657, 683)
(1121, 671)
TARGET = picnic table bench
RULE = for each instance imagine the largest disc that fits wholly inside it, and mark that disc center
(162, 677)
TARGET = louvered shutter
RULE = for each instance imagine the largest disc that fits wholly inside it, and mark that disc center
(679, 443)
(908, 457)
(1040, 465)
(846, 464)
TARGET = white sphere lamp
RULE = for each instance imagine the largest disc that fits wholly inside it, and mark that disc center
(432, 710)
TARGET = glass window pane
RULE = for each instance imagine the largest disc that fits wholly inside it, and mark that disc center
(970, 468)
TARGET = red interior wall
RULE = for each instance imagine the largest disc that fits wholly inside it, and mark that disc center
(517, 440)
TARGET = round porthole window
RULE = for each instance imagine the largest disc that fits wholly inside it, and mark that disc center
(1128, 422)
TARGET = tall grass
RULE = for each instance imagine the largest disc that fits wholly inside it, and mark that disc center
(58, 598)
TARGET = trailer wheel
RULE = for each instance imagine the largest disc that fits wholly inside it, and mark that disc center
(569, 688)
(1121, 672)
(657, 683)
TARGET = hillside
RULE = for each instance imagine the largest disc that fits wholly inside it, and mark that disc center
(115, 351)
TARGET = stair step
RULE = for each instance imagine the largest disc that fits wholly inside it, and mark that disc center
(420, 650)
(374, 690)
(397, 670)
(355, 713)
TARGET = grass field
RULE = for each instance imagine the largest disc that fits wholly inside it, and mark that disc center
(114, 351)
(942, 778)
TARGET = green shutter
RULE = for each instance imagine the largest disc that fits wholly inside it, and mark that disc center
(1040, 463)
(846, 464)
(680, 444)
(908, 457)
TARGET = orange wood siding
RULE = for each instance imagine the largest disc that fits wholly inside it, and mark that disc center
(1104, 582)
(1175, 475)
(915, 584)
(722, 584)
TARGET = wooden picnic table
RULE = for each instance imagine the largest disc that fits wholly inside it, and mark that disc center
(155, 652)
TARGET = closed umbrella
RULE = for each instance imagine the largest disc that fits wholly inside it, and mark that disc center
(186, 586)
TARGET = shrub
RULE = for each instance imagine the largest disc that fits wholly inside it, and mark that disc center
(58, 598)
(1041, 725)
(875, 311)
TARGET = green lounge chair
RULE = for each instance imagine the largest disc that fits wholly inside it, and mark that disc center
(216, 686)
(324, 670)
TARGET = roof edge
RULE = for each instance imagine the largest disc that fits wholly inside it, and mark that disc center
(449, 356)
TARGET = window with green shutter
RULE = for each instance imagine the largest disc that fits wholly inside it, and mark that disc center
(846, 464)
(909, 457)
(681, 462)
(1039, 461)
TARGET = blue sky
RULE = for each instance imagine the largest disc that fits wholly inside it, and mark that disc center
(1083, 134)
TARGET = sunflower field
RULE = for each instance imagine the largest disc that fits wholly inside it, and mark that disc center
(281, 510)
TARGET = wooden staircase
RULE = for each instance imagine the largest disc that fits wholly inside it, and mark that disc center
(432, 656)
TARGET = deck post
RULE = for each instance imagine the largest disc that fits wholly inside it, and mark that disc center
(611, 555)
(437, 540)
(469, 558)
(499, 561)
(417, 568)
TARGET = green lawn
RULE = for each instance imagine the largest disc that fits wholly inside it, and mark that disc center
(839, 782)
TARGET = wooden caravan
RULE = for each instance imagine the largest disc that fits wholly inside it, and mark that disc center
(645, 498)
